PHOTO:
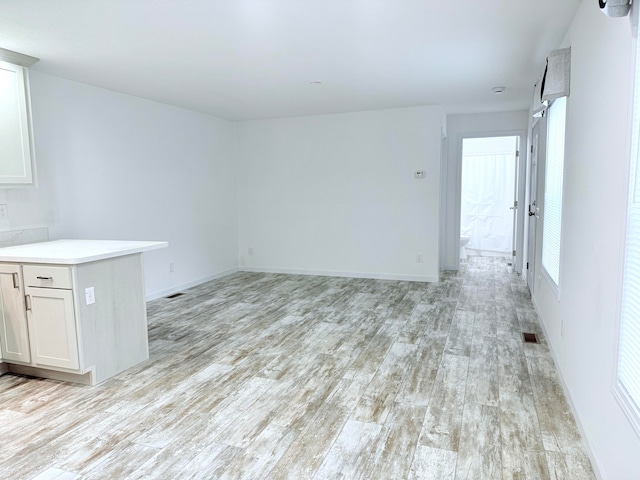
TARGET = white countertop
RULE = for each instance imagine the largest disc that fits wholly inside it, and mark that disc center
(72, 252)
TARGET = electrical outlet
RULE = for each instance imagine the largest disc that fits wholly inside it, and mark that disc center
(90, 295)
(419, 258)
(419, 174)
(250, 252)
(171, 267)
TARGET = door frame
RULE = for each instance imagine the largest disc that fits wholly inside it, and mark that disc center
(521, 169)
(442, 237)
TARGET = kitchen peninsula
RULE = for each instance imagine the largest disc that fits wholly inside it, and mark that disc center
(73, 310)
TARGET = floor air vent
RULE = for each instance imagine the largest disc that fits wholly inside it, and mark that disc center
(530, 338)
(175, 295)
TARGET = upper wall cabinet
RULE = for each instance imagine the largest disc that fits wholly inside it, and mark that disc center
(16, 139)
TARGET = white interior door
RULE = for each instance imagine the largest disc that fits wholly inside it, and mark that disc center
(533, 210)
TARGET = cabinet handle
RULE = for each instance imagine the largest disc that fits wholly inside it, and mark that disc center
(27, 300)
(15, 281)
(44, 278)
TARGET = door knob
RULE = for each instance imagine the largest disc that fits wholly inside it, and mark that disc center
(531, 214)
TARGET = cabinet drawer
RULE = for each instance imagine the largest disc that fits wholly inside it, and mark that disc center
(46, 276)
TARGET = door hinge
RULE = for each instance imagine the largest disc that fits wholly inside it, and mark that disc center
(517, 153)
(531, 148)
(514, 253)
(527, 265)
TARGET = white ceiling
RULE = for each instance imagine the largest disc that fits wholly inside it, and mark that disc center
(247, 59)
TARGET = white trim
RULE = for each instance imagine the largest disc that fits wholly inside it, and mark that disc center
(442, 207)
(521, 169)
(555, 288)
(325, 273)
(618, 393)
(597, 468)
(627, 405)
(622, 397)
(194, 283)
(544, 208)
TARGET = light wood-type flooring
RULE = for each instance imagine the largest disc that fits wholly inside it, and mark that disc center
(301, 377)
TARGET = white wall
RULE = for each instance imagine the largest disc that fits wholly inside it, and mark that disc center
(113, 166)
(337, 194)
(29, 206)
(595, 185)
(459, 127)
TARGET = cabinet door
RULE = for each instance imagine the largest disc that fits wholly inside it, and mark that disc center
(52, 327)
(15, 141)
(13, 319)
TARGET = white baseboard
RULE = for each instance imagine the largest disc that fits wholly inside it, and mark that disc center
(324, 273)
(194, 283)
(585, 440)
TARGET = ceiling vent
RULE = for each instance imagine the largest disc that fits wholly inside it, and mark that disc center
(615, 8)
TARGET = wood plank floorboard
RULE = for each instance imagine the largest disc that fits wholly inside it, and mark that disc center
(479, 454)
(271, 376)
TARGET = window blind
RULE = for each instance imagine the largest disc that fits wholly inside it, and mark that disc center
(629, 336)
(552, 214)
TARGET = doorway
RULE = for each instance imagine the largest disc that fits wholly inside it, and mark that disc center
(489, 196)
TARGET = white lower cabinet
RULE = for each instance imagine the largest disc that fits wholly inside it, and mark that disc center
(52, 327)
(38, 323)
(14, 337)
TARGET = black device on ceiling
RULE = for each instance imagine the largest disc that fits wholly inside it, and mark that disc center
(615, 8)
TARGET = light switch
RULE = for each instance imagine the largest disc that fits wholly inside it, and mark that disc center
(90, 295)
